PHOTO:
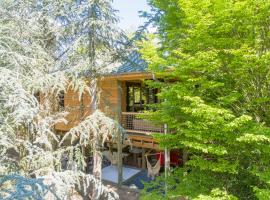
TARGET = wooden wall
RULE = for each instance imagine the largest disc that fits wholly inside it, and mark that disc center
(124, 96)
(110, 103)
(110, 98)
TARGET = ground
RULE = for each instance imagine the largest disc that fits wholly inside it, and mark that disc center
(131, 187)
(124, 192)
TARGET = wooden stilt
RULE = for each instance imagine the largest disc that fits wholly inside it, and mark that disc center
(120, 160)
(134, 158)
(143, 158)
(120, 139)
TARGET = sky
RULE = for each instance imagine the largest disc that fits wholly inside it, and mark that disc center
(128, 13)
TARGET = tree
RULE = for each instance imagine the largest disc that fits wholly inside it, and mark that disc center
(99, 44)
(213, 57)
(42, 51)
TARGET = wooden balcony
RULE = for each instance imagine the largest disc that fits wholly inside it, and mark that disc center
(132, 122)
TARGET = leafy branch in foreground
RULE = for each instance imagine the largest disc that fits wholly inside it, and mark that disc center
(213, 59)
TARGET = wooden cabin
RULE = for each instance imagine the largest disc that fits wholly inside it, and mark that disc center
(123, 96)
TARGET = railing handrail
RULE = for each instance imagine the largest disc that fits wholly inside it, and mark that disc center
(131, 113)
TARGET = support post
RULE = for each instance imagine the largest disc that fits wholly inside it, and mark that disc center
(143, 158)
(167, 160)
(119, 138)
(120, 160)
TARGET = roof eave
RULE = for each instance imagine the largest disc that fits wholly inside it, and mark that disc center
(129, 76)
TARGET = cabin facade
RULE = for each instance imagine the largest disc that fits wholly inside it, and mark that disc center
(123, 97)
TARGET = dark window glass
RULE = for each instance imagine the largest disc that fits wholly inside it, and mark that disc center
(61, 99)
(138, 96)
(37, 96)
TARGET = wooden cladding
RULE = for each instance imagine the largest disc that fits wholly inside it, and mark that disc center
(113, 101)
(80, 108)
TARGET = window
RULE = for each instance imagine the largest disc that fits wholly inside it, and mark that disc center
(37, 96)
(138, 96)
(61, 100)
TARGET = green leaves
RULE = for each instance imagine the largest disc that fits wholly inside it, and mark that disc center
(216, 194)
(214, 165)
(214, 59)
(249, 138)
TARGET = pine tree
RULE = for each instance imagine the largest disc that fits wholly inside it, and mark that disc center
(42, 51)
(100, 44)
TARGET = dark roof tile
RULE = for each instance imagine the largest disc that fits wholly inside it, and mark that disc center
(134, 63)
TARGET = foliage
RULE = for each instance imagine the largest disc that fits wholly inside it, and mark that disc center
(47, 47)
(52, 186)
(188, 187)
(92, 126)
(24, 188)
(212, 64)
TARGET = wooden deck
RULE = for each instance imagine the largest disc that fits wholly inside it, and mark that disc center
(142, 141)
(140, 130)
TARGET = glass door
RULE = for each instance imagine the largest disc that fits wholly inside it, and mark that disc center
(138, 96)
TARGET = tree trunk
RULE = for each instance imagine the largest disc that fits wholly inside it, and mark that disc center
(97, 157)
(97, 166)
(185, 156)
(97, 154)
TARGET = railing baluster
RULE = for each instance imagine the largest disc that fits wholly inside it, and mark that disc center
(131, 122)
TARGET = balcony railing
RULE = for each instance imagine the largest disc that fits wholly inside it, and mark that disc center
(134, 124)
